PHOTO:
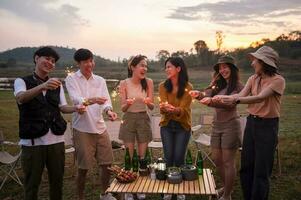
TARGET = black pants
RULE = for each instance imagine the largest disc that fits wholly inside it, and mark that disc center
(34, 159)
(257, 157)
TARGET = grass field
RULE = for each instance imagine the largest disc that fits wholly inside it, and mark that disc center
(284, 187)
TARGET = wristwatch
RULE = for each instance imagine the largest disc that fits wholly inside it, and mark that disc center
(237, 101)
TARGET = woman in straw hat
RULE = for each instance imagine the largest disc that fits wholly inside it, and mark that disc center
(226, 125)
(263, 92)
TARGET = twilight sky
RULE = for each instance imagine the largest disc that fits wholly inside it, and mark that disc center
(113, 28)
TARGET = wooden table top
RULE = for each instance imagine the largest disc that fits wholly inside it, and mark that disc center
(204, 185)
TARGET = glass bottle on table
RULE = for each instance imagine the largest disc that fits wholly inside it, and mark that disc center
(199, 163)
(188, 160)
(135, 161)
(127, 160)
(148, 157)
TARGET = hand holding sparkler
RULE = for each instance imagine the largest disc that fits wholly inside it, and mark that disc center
(206, 100)
(81, 109)
(112, 115)
(194, 93)
(166, 107)
(148, 101)
(52, 84)
(130, 101)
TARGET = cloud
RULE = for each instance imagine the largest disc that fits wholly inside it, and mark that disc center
(237, 13)
(249, 33)
(64, 16)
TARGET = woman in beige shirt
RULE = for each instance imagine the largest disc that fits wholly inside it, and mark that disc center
(226, 124)
(136, 94)
(263, 93)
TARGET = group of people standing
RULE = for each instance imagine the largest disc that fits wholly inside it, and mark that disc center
(41, 99)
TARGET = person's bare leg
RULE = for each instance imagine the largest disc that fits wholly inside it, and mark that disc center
(142, 149)
(230, 171)
(81, 180)
(131, 148)
(104, 178)
(217, 157)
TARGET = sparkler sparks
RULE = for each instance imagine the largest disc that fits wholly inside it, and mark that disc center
(69, 70)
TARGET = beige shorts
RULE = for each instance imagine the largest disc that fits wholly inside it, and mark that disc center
(225, 135)
(135, 126)
(92, 147)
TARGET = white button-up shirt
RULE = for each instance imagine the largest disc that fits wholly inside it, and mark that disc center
(80, 88)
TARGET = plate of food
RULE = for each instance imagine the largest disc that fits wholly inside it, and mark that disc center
(123, 176)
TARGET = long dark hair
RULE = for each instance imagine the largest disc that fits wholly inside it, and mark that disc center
(134, 61)
(268, 69)
(183, 76)
(219, 83)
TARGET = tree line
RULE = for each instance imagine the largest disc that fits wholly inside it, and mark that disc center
(200, 56)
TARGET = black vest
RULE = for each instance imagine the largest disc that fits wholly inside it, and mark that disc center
(40, 113)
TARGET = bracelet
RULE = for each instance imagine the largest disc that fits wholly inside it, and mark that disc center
(237, 100)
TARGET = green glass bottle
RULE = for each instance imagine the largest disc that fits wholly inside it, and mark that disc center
(135, 161)
(188, 160)
(127, 160)
(199, 163)
(148, 157)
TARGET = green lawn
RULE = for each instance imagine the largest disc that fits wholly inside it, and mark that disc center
(285, 187)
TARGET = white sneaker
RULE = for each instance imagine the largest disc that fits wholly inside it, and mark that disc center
(180, 197)
(140, 196)
(167, 196)
(107, 196)
(128, 196)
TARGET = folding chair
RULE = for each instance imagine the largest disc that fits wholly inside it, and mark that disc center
(113, 128)
(202, 141)
(8, 164)
(69, 147)
(156, 143)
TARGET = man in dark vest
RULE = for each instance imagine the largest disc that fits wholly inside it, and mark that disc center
(40, 101)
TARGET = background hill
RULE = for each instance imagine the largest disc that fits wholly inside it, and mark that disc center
(23, 57)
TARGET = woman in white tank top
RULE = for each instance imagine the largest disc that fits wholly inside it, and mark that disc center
(136, 98)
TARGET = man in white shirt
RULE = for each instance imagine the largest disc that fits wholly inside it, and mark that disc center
(40, 100)
(91, 139)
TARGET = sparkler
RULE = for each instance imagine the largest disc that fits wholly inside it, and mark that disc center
(85, 102)
(115, 91)
(159, 99)
(69, 70)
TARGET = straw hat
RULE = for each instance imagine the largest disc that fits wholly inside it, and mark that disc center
(267, 55)
(225, 59)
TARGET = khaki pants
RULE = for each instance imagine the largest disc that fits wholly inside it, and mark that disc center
(33, 160)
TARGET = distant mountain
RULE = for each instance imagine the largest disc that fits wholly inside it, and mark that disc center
(23, 56)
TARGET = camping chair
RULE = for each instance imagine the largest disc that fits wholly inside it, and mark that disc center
(113, 128)
(202, 141)
(8, 163)
(156, 142)
(69, 147)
